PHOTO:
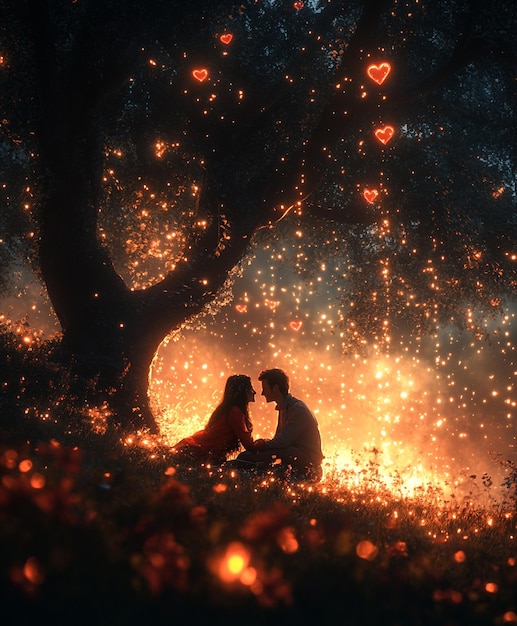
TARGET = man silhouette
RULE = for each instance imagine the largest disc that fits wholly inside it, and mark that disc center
(295, 449)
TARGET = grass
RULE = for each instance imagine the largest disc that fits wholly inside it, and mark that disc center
(95, 534)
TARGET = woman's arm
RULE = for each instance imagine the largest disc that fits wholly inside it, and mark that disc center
(237, 423)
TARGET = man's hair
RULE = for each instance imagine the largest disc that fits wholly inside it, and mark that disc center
(278, 377)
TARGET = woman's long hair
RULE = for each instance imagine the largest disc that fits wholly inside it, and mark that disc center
(235, 394)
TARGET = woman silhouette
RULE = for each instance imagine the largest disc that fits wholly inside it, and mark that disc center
(229, 426)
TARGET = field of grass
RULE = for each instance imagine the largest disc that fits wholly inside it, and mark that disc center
(90, 536)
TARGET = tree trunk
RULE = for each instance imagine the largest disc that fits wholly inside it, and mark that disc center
(111, 370)
(110, 332)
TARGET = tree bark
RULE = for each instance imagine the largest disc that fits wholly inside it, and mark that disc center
(110, 333)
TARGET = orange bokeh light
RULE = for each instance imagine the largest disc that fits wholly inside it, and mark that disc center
(25, 466)
(366, 550)
(234, 562)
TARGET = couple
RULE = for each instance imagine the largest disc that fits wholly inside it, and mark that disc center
(295, 448)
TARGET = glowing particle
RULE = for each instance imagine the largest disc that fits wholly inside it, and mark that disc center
(460, 556)
(37, 481)
(234, 562)
(25, 465)
(366, 550)
(33, 571)
(248, 576)
(379, 73)
(287, 540)
(226, 38)
(10, 457)
(384, 134)
(295, 325)
(298, 5)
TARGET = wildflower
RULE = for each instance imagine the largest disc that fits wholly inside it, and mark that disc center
(165, 563)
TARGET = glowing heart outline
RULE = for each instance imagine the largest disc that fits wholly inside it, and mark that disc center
(226, 38)
(379, 73)
(384, 134)
(370, 195)
(295, 325)
(298, 5)
(200, 74)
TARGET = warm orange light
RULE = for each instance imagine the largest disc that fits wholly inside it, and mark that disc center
(370, 195)
(25, 466)
(234, 562)
(241, 308)
(33, 571)
(510, 617)
(248, 576)
(295, 325)
(366, 550)
(287, 540)
(37, 481)
(460, 556)
(379, 73)
(384, 134)
(298, 5)
(200, 74)
(226, 38)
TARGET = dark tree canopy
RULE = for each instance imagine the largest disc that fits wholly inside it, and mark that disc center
(144, 144)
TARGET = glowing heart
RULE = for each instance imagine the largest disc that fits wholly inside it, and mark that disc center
(379, 73)
(384, 134)
(241, 308)
(226, 38)
(298, 6)
(295, 325)
(370, 195)
(272, 304)
(200, 75)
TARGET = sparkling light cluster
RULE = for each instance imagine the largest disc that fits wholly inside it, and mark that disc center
(428, 411)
